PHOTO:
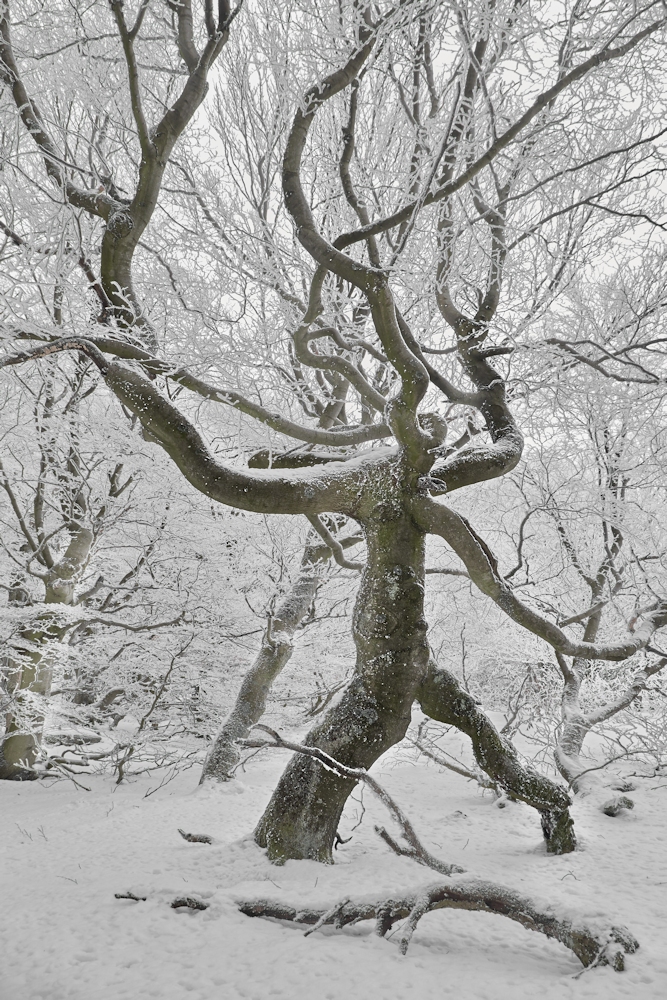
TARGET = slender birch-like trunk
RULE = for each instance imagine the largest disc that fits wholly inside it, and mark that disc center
(275, 652)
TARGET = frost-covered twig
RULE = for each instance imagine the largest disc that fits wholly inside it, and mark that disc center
(329, 916)
(123, 761)
(66, 772)
(482, 779)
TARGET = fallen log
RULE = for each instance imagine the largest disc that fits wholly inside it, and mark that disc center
(593, 946)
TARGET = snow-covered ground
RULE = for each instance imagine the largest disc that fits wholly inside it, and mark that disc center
(65, 852)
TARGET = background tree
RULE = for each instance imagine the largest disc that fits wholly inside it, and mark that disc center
(58, 505)
(96, 565)
(599, 492)
(284, 618)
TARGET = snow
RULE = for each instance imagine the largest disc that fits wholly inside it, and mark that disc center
(66, 852)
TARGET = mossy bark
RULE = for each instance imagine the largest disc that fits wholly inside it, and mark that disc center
(442, 698)
(389, 631)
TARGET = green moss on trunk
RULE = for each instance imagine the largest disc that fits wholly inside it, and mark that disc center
(392, 655)
(443, 699)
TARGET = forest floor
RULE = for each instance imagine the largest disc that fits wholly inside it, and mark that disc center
(66, 851)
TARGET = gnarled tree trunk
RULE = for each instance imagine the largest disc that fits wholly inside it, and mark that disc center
(389, 631)
(386, 490)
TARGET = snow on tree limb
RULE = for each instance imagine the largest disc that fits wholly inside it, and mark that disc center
(593, 946)
(317, 490)
(481, 565)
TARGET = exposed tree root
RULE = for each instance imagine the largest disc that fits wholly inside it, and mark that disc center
(606, 946)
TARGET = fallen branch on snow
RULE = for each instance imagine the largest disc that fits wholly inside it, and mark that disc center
(190, 902)
(195, 838)
(603, 946)
(592, 947)
(415, 848)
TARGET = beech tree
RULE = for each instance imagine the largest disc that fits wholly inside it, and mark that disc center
(416, 184)
(75, 558)
(52, 519)
(275, 651)
(600, 500)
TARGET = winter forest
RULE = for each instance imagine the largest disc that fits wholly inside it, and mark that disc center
(333, 549)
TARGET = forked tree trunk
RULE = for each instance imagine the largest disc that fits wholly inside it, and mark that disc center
(389, 631)
(577, 724)
(392, 671)
(568, 754)
(442, 698)
(275, 653)
(574, 731)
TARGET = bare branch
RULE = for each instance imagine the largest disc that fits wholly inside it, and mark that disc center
(309, 491)
(415, 849)
(483, 571)
(546, 98)
(332, 543)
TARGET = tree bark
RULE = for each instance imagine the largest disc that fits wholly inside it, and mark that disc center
(442, 698)
(31, 669)
(575, 729)
(275, 653)
(30, 673)
(592, 946)
(576, 723)
(389, 631)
